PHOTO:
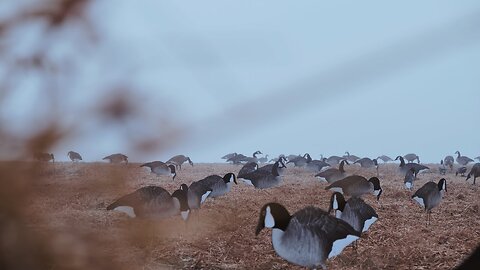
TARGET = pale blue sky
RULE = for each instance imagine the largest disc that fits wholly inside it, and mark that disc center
(195, 61)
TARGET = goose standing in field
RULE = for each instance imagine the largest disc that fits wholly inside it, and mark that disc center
(308, 237)
(462, 160)
(403, 168)
(448, 161)
(333, 174)
(178, 160)
(442, 169)
(262, 179)
(300, 161)
(475, 172)
(116, 158)
(461, 171)
(212, 186)
(366, 162)
(409, 179)
(356, 186)
(236, 159)
(263, 159)
(161, 168)
(74, 156)
(316, 165)
(430, 195)
(46, 157)
(385, 158)
(154, 203)
(411, 158)
(334, 160)
(228, 156)
(247, 168)
(355, 212)
(281, 166)
(351, 158)
(253, 158)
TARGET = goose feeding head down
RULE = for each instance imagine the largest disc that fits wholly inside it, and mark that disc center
(377, 189)
(182, 196)
(337, 204)
(173, 171)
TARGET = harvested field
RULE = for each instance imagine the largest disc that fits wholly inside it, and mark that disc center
(63, 207)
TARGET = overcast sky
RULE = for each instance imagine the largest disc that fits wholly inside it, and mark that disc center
(370, 77)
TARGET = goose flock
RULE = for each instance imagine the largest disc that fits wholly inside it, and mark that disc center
(310, 236)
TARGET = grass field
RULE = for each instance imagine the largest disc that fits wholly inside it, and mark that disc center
(60, 209)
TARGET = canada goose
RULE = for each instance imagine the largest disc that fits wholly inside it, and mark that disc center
(228, 156)
(333, 174)
(471, 262)
(263, 159)
(355, 211)
(356, 186)
(442, 169)
(334, 160)
(430, 195)
(411, 157)
(253, 158)
(160, 168)
(279, 157)
(209, 187)
(74, 156)
(366, 162)
(475, 172)
(403, 168)
(178, 160)
(281, 166)
(291, 157)
(153, 202)
(247, 168)
(263, 179)
(462, 160)
(409, 178)
(116, 158)
(385, 158)
(308, 237)
(351, 158)
(448, 161)
(461, 171)
(44, 157)
(316, 165)
(236, 159)
(300, 161)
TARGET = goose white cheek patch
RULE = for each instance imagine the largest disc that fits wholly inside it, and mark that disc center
(269, 221)
(376, 192)
(335, 203)
(408, 185)
(232, 178)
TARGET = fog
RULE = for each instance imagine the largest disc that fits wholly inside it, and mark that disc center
(212, 77)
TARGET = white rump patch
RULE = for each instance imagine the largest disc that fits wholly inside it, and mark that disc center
(185, 214)
(419, 200)
(340, 244)
(408, 185)
(204, 196)
(368, 223)
(127, 210)
(269, 221)
(246, 181)
(321, 179)
(337, 189)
